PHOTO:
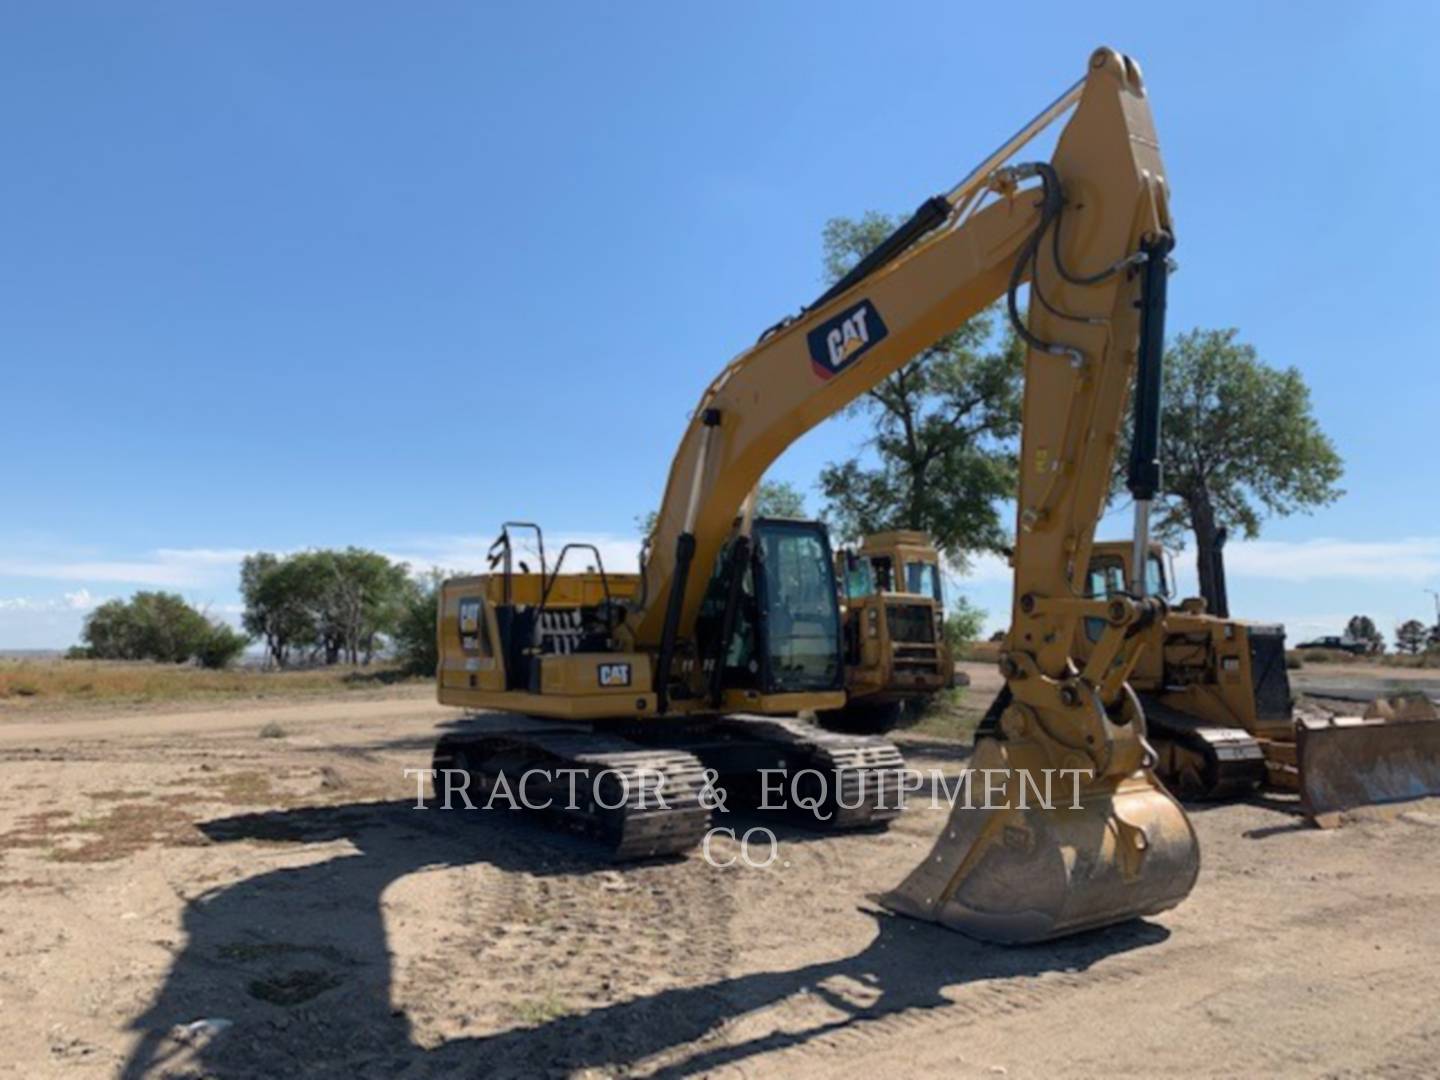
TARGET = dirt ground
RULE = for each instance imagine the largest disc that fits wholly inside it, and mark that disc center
(159, 868)
(1359, 683)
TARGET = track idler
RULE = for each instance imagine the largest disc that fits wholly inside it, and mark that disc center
(1112, 845)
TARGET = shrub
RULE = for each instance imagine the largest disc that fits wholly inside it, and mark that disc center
(963, 624)
(1328, 656)
(222, 646)
(157, 626)
(417, 628)
(1430, 658)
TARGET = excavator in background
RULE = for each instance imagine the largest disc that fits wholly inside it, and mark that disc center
(893, 612)
(701, 660)
(1222, 718)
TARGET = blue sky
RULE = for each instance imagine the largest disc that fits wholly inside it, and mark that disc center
(280, 275)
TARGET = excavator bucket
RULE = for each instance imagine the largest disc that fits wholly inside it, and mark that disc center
(1389, 755)
(1100, 855)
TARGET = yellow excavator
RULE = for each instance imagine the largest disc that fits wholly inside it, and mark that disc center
(701, 661)
(1217, 697)
(893, 616)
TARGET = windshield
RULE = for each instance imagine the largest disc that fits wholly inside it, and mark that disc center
(802, 619)
(1107, 576)
(1155, 577)
(923, 579)
(859, 581)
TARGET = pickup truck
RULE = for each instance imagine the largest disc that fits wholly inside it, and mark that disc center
(1344, 644)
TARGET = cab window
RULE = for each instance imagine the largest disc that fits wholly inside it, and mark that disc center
(1155, 577)
(802, 620)
(923, 579)
(1107, 577)
(859, 581)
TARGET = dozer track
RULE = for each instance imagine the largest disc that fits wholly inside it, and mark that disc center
(1200, 760)
(862, 774)
(637, 801)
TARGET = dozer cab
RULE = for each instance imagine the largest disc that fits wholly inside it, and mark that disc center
(1222, 717)
(893, 608)
(731, 626)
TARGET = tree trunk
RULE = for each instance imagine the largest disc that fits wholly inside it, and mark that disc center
(1202, 520)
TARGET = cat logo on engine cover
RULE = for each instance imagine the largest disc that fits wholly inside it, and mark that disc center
(614, 674)
(839, 341)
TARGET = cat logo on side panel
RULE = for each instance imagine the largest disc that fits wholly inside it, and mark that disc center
(614, 674)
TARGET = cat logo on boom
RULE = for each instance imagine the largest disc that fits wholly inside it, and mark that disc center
(838, 342)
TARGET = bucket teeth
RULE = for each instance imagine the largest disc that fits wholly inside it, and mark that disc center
(1100, 855)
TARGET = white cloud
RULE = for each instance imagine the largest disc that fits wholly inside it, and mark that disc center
(80, 600)
(1414, 560)
(985, 568)
(469, 554)
(173, 567)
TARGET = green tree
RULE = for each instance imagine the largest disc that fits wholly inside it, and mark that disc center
(417, 629)
(779, 498)
(1411, 636)
(1363, 628)
(945, 426)
(1238, 443)
(222, 646)
(776, 498)
(963, 623)
(333, 605)
(162, 627)
(277, 607)
(355, 597)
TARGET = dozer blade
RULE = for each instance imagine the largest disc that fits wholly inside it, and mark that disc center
(1021, 875)
(1391, 755)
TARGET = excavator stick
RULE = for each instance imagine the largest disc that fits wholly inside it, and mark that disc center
(1103, 852)
(1392, 754)
(1031, 862)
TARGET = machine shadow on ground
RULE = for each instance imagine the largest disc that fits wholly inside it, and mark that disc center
(298, 958)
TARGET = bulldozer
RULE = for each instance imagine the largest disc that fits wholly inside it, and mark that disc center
(893, 614)
(1223, 720)
(697, 666)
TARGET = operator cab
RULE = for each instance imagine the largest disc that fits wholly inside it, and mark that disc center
(1109, 576)
(786, 626)
(900, 561)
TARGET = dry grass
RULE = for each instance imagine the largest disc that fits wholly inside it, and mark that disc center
(24, 682)
(1295, 658)
(980, 652)
(1299, 657)
(1428, 659)
(952, 714)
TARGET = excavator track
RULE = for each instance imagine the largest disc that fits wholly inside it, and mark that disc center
(862, 774)
(638, 802)
(1203, 761)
